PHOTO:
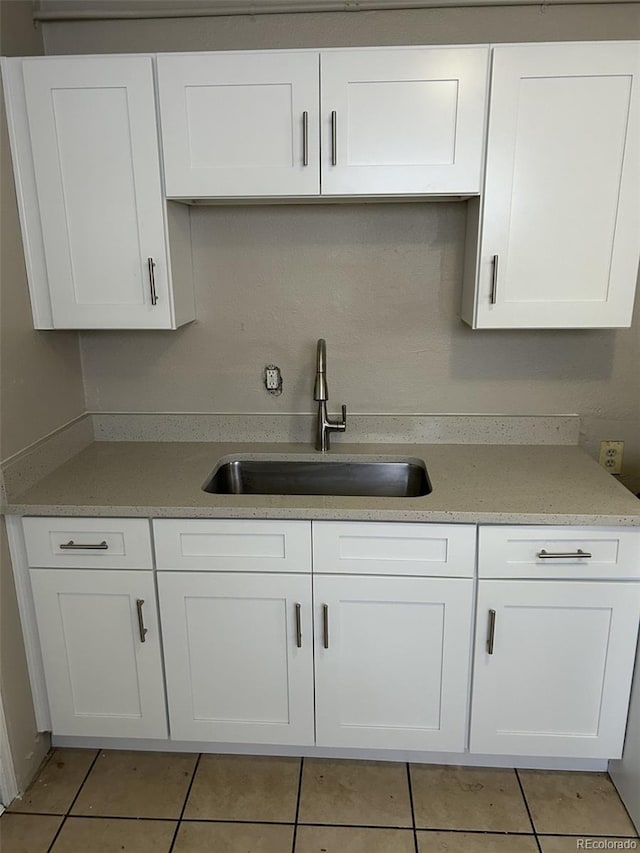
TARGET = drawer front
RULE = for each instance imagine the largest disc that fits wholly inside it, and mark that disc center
(88, 543)
(233, 545)
(428, 550)
(554, 552)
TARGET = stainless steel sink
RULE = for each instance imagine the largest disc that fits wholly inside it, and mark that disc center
(394, 478)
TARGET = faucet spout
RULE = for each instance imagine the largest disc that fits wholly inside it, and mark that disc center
(320, 389)
(324, 425)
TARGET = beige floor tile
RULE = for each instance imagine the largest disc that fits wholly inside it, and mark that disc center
(468, 842)
(342, 839)
(27, 833)
(58, 782)
(242, 787)
(569, 844)
(136, 784)
(106, 835)
(574, 803)
(472, 798)
(233, 838)
(368, 793)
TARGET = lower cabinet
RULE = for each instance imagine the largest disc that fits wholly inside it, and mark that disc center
(100, 643)
(238, 656)
(339, 634)
(392, 661)
(553, 667)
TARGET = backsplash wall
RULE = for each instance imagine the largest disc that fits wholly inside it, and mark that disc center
(382, 283)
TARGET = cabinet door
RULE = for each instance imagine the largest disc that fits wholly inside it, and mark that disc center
(93, 134)
(557, 679)
(559, 240)
(240, 124)
(238, 669)
(103, 673)
(392, 662)
(408, 121)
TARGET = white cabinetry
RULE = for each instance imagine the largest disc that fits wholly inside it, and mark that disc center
(94, 219)
(240, 124)
(238, 669)
(560, 211)
(404, 121)
(393, 653)
(98, 629)
(554, 658)
(235, 602)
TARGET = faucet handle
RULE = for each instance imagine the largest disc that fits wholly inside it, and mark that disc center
(344, 417)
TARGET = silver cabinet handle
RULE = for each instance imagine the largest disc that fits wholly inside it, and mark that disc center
(334, 138)
(491, 634)
(325, 625)
(564, 555)
(494, 281)
(298, 626)
(152, 280)
(305, 138)
(78, 546)
(141, 628)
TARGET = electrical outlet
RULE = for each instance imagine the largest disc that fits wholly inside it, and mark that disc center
(611, 456)
(273, 379)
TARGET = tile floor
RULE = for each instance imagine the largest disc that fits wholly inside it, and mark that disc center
(86, 801)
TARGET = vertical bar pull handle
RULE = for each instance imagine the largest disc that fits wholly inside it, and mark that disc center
(334, 138)
(325, 625)
(491, 634)
(494, 281)
(305, 138)
(152, 280)
(298, 626)
(141, 628)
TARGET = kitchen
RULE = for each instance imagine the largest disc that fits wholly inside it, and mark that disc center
(382, 282)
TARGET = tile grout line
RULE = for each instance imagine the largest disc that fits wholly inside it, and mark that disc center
(184, 804)
(413, 814)
(295, 825)
(73, 801)
(526, 805)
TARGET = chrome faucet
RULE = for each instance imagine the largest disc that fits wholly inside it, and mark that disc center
(321, 395)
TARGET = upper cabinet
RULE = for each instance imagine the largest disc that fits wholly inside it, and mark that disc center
(402, 121)
(560, 210)
(105, 157)
(240, 124)
(93, 212)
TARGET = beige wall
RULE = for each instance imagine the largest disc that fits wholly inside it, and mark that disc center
(381, 282)
(338, 29)
(40, 389)
(40, 372)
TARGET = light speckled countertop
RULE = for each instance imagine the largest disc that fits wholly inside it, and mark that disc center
(500, 484)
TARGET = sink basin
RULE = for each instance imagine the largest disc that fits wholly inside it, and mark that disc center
(396, 478)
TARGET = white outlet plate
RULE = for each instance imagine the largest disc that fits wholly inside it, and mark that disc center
(273, 379)
(611, 456)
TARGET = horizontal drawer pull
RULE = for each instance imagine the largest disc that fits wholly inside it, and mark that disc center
(561, 555)
(73, 546)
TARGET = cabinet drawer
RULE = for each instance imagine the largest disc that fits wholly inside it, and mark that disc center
(610, 553)
(233, 545)
(88, 543)
(444, 550)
